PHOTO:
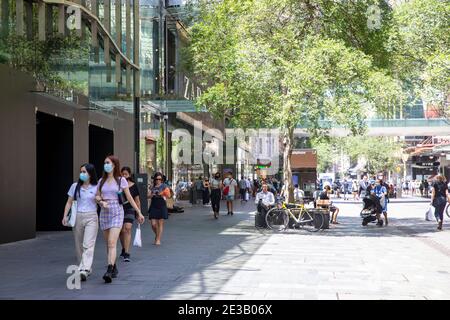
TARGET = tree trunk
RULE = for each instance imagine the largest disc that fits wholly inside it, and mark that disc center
(288, 141)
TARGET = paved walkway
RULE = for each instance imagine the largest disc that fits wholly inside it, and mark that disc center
(202, 258)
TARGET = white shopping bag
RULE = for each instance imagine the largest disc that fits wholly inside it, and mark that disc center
(137, 237)
(247, 196)
(429, 215)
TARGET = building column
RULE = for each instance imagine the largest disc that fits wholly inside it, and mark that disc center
(29, 19)
(119, 42)
(61, 20)
(107, 23)
(136, 50)
(128, 44)
(42, 21)
(4, 18)
(137, 86)
(20, 17)
(94, 31)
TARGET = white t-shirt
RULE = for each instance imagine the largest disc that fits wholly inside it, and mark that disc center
(86, 198)
(232, 183)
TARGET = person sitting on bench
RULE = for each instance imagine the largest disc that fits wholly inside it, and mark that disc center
(324, 201)
(264, 200)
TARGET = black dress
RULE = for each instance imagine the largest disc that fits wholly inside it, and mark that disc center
(158, 207)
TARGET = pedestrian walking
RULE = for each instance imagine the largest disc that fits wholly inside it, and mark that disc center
(206, 192)
(426, 188)
(381, 192)
(112, 193)
(199, 188)
(439, 199)
(129, 215)
(158, 211)
(363, 184)
(242, 188)
(355, 190)
(86, 223)
(229, 191)
(216, 194)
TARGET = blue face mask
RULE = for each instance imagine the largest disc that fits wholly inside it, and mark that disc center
(84, 177)
(108, 167)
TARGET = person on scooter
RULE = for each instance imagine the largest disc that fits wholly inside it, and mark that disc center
(381, 192)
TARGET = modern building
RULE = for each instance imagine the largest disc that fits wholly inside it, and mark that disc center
(83, 79)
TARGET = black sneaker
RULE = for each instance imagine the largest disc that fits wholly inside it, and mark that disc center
(115, 272)
(123, 253)
(232, 213)
(108, 274)
(126, 257)
(83, 275)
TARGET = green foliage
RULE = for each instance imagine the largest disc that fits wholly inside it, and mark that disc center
(282, 63)
(380, 153)
(44, 59)
(420, 46)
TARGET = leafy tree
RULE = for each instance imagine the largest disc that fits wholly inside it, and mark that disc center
(285, 63)
(381, 154)
(419, 44)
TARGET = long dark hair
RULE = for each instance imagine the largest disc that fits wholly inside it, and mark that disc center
(93, 180)
(128, 169)
(116, 173)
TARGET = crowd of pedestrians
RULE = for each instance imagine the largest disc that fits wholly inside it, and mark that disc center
(112, 204)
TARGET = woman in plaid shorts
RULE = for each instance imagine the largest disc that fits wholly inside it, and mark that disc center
(112, 194)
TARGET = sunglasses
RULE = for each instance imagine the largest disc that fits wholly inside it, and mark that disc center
(158, 179)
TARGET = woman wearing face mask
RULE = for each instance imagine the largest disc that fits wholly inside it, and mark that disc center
(158, 208)
(130, 215)
(86, 223)
(216, 192)
(112, 193)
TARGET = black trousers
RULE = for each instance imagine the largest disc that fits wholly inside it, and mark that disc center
(215, 199)
(439, 211)
(206, 196)
(262, 208)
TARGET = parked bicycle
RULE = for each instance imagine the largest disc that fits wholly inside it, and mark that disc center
(278, 217)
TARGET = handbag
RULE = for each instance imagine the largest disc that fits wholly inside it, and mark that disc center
(120, 194)
(137, 237)
(226, 190)
(72, 216)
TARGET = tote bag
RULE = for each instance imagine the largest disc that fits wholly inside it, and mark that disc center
(72, 216)
(137, 237)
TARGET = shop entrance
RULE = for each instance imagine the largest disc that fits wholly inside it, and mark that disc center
(54, 169)
(101, 145)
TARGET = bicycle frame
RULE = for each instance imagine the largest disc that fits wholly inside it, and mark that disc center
(301, 214)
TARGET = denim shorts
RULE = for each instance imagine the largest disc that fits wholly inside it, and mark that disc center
(230, 198)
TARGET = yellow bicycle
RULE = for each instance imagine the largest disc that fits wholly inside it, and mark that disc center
(278, 217)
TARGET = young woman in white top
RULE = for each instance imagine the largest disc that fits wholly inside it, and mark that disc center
(86, 223)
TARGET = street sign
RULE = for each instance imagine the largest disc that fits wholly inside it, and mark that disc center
(428, 164)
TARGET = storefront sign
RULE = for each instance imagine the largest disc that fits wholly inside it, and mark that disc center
(428, 164)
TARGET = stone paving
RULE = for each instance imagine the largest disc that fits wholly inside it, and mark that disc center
(202, 258)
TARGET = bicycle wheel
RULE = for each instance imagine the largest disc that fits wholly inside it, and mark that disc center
(447, 210)
(277, 219)
(310, 221)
